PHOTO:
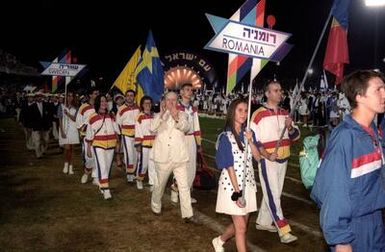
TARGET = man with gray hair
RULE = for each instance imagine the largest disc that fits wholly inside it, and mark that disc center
(170, 154)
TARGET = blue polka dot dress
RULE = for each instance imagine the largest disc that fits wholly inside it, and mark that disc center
(228, 154)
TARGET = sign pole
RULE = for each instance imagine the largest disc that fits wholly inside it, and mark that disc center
(249, 39)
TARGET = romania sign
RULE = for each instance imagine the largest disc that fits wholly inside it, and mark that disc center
(62, 69)
(251, 41)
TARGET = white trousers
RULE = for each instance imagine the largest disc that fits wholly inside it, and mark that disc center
(163, 171)
(103, 162)
(129, 154)
(89, 162)
(272, 177)
(55, 131)
(144, 164)
(28, 139)
(192, 163)
(40, 141)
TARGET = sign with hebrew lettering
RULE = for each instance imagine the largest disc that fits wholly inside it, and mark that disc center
(251, 41)
(61, 69)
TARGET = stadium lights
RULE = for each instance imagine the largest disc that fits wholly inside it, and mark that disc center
(372, 3)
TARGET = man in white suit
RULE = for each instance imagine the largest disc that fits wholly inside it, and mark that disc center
(170, 154)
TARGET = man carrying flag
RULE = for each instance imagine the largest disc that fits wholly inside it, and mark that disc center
(267, 123)
(125, 118)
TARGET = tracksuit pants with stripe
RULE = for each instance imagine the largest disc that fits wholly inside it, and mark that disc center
(129, 152)
(272, 177)
(89, 162)
(144, 164)
(103, 162)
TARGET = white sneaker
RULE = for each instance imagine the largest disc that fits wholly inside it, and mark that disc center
(130, 178)
(71, 170)
(107, 194)
(218, 244)
(174, 197)
(193, 200)
(269, 228)
(95, 181)
(65, 169)
(139, 184)
(154, 211)
(287, 238)
(84, 178)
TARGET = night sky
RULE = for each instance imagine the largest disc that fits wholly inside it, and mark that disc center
(104, 35)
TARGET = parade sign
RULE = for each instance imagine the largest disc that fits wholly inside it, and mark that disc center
(62, 69)
(251, 41)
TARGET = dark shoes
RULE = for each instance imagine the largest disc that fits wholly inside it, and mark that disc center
(192, 219)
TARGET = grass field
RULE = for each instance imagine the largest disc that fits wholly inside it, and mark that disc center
(43, 209)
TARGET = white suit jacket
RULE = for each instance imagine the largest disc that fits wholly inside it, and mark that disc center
(170, 142)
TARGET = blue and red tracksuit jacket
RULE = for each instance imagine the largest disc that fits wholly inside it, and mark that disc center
(349, 188)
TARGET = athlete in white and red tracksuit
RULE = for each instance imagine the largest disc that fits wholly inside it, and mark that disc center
(102, 138)
(268, 122)
(125, 118)
(144, 139)
(82, 119)
(349, 186)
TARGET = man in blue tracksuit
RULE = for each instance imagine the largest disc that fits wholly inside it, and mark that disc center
(349, 187)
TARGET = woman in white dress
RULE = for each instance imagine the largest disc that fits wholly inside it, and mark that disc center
(230, 158)
(69, 135)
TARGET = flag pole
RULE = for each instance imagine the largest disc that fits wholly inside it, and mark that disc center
(68, 79)
(298, 96)
(242, 199)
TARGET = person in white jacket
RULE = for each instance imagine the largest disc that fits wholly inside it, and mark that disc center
(170, 154)
(101, 141)
(193, 138)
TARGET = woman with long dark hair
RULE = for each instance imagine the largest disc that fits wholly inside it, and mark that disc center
(230, 157)
(102, 139)
(69, 135)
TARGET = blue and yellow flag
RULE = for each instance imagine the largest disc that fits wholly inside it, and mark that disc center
(149, 72)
